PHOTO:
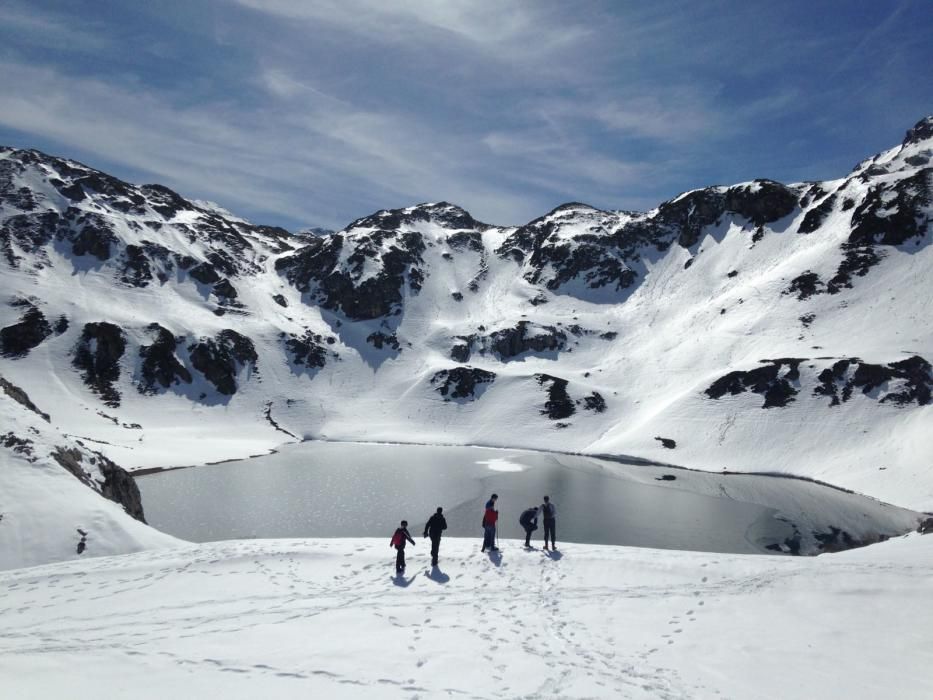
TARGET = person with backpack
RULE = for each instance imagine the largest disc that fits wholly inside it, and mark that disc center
(490, 516)
(550, 522)
(529, 521)
(398, 541)
(435, 526)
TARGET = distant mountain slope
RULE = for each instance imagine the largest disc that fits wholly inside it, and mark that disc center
(758, 326)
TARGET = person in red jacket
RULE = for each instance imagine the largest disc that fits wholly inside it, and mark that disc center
(398, 541)
(489, 525)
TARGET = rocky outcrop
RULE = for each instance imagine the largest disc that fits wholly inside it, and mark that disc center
(20, 397)
(220, 359)
(892, 213)
(380, 340)
(559, 405)
(901, 383)
(97, 354)
(508, 343)
(309, 350)
(771, 380)
(116, 484)
(367, 281)
(461, 382)
(160, 367)
(21, 337)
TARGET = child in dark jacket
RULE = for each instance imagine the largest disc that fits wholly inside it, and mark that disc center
(398, 541)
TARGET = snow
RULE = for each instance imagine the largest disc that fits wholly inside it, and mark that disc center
(327, 618)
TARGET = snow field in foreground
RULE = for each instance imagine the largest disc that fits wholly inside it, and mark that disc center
(327, 618)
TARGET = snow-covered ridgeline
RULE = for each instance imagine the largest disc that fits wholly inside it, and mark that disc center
(762, 326)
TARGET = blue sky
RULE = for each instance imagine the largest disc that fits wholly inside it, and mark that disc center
(302, 113)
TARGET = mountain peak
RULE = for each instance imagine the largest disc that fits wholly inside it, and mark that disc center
(445, 214)
(921, 131)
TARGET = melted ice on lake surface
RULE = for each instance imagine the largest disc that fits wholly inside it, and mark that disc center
(323, 489)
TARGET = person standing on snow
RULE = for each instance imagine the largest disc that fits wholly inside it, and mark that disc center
(550, 522)
(529, 521)
(489, 525)
(435, 526)
(398, 541)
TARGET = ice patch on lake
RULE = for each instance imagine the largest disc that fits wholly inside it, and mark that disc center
(502, 465)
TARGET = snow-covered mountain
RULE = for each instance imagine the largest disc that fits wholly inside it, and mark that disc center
(758, 327)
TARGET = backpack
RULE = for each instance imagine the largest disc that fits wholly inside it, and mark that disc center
(397, 539)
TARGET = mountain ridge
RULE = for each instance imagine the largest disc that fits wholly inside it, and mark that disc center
(422, 323)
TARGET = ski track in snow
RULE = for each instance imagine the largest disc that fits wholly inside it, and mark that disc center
(284, 618)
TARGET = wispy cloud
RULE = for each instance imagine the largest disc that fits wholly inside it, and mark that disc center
(315, 113)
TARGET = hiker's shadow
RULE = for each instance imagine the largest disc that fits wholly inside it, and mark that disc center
(554, 554)
(436, 575)
(495, 556)
(402, 582)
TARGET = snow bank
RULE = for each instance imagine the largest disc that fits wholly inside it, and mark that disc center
(306, 618)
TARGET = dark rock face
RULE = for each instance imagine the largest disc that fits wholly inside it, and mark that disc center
(460, 382)
(892, 213)
(97, 354)
(921, 131)
(118, 485)
(160, 366)
(94, 236)
(20, 397)
(594, 402)
(466, 240)
(220, 359)
(508, 343)
(315, 270)
(767, 380)
(669, 444)
(805, 285)
(595, 256)
(225, 289)
(761, 203)
(28, 234)
(511, 342)
(911, 378)
(380, 340)
(308, 350)
(280, 300)
(447, 215)
(559, 404)
(17, 340)
(816, 216)
(204, 273)
(121, 488)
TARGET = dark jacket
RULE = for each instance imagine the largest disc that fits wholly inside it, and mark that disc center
(529, 519)
(435, 526)
(401, 534)
(549, 511)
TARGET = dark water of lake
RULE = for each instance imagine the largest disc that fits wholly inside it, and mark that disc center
(320, 489)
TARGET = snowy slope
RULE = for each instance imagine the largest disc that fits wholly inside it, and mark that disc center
(305, 618)
(760, 327)
(54, 494)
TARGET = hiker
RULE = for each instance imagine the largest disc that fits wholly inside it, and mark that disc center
(398, 541)
(435, 526)
(550, 513)
(529, 521)
(489, 525)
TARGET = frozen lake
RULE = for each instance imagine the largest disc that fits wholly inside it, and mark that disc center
(320, 489)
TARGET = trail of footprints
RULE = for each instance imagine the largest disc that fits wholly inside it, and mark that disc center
(502, 612)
